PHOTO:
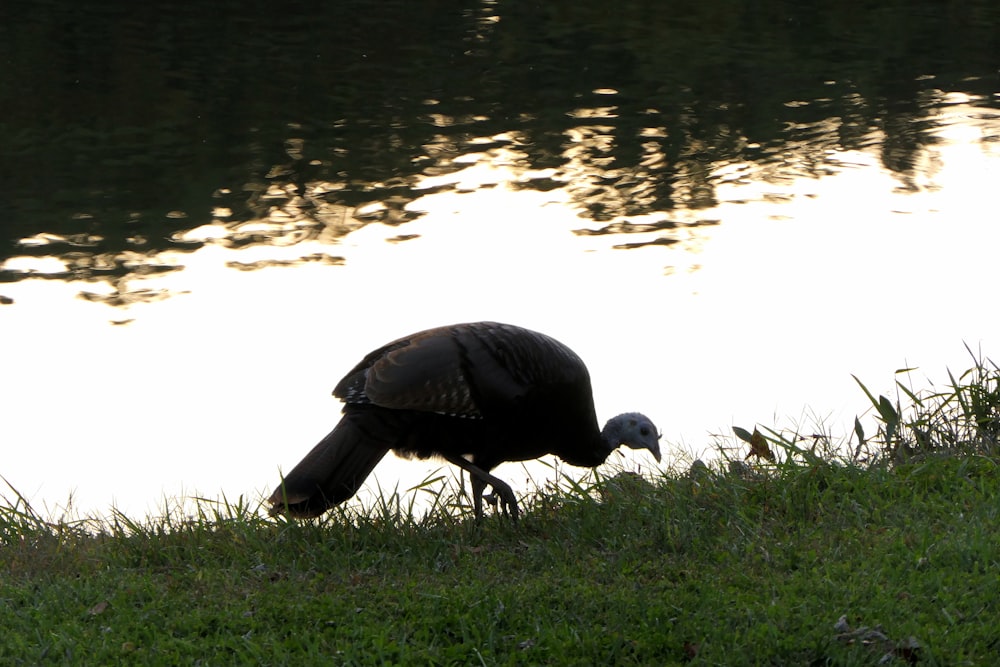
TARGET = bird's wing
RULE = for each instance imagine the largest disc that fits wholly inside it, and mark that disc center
(460, 369)
(428, 374)
(423, 372)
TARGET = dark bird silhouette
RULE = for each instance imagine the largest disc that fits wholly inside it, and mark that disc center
(477, 395)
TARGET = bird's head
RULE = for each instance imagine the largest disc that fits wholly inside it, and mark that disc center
(633, 430)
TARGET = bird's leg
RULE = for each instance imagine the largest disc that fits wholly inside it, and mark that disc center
(479, 478)
(478, 486)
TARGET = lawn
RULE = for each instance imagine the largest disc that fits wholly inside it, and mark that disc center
(787, 550)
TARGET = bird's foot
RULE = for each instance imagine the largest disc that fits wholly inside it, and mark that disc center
(507, 501)
(480, 480)
(492, 499)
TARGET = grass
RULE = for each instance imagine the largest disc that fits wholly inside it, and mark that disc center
(788, 550)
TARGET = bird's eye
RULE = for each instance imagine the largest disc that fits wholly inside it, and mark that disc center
(644, 431)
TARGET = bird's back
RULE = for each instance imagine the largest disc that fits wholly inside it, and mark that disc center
(462, 369)
(497, 391)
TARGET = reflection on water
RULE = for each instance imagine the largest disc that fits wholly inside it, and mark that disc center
(614, 198)
(725, 223)
(184, 127)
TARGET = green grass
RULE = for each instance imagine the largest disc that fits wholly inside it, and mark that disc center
(749, 561)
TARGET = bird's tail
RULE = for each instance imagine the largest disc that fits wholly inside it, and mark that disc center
(332, 472)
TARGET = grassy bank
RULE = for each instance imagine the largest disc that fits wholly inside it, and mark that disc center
(795, 552)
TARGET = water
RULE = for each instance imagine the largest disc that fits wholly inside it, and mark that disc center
(209, 222)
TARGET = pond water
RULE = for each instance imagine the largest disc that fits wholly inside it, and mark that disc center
(206, 222)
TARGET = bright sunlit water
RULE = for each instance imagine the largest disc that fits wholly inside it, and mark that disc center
(761, 318)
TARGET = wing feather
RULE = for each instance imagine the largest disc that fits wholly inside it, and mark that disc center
(461, 369)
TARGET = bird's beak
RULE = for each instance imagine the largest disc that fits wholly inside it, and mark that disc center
(655, 449)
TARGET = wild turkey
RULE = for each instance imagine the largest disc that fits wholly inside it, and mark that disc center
(475, 394)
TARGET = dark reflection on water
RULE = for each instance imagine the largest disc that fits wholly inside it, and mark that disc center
(128, 127)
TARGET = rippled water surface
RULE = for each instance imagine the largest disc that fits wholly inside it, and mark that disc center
(209, 215)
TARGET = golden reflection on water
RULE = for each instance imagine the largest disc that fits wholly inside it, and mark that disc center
(759, 318)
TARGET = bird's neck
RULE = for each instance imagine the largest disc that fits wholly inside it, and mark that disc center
(611, 436)
(588, 450)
